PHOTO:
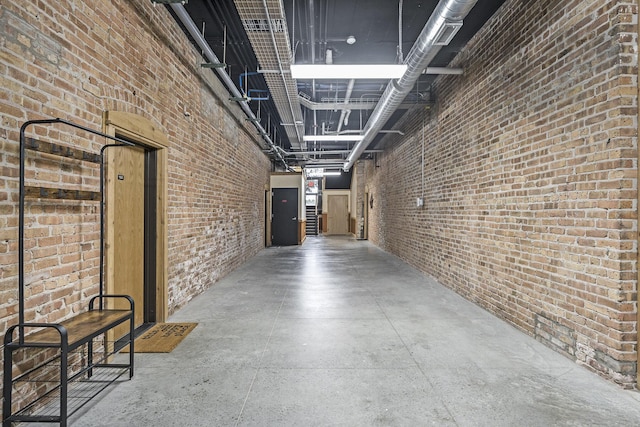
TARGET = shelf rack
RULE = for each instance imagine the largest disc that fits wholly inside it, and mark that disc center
(79, 361)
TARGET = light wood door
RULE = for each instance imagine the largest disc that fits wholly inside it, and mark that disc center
(338, 214)
(126, 256)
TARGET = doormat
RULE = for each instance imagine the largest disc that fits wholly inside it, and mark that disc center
(161, 337)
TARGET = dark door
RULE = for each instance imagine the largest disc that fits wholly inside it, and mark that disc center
(284, 226)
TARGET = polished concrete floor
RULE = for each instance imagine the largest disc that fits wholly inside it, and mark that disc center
(339, 333)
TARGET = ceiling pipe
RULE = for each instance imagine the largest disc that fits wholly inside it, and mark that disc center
(345, 111)
(312, 39)
(312, 31)
(335, 105)
(184, 17)
(396, 131)
(327, 152)
(422, 53)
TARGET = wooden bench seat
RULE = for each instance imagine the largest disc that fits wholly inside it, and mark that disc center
(79, 329)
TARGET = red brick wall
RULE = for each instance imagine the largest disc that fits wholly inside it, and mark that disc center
(530, 180)
(75, 59)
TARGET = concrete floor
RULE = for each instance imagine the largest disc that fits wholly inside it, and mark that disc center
(339, 333)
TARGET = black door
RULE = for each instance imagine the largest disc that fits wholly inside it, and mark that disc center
(284, 226)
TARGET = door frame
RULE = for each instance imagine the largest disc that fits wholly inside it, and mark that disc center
(267, 216)
(141, 130)
(365, 234)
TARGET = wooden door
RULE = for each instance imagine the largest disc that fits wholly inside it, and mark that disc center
(126, 207)
(338, 214)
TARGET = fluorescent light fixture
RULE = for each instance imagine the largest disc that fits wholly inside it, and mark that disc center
(320, 172)
(332, 137)
(342, 71)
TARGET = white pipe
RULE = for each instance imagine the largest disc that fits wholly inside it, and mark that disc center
(347, 96)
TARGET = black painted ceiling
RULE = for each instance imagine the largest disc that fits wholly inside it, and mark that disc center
(375, 25)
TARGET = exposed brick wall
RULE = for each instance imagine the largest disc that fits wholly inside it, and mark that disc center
(75, 59)
(530, 178)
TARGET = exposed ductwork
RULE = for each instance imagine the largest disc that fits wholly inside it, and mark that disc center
(188, 23)
(438, 31)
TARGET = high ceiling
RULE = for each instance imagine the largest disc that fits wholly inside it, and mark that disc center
(258, 52)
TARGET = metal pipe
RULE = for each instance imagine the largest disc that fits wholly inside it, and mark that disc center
(400, 54)
(356, 131)
(346, 111)
(312, 31)
(422, 53)
(314, 106)
(328, 152)
(184, 17)
(312, 42)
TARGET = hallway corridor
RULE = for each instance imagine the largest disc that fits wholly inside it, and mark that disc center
(338, 333)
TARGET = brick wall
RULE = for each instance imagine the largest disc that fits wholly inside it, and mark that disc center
(75, 59)
(530, 180)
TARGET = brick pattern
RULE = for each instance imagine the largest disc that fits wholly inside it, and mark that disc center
(530, 178)
(74, 59)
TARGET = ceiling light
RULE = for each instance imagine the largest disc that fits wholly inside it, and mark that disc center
(320, 172)
(351, 40)
(332, 137)
(352, 71)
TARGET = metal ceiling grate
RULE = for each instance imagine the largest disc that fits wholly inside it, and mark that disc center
(279, 25)
(283, 88)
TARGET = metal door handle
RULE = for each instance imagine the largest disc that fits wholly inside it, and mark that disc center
(294, 218)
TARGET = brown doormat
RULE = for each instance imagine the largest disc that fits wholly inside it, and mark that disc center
(162, 337)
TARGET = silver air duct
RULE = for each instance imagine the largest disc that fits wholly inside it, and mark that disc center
(442, 26)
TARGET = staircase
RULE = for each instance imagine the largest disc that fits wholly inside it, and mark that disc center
(312, 221)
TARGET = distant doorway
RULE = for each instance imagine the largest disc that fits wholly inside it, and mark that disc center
(338, 215)
(284, 225)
